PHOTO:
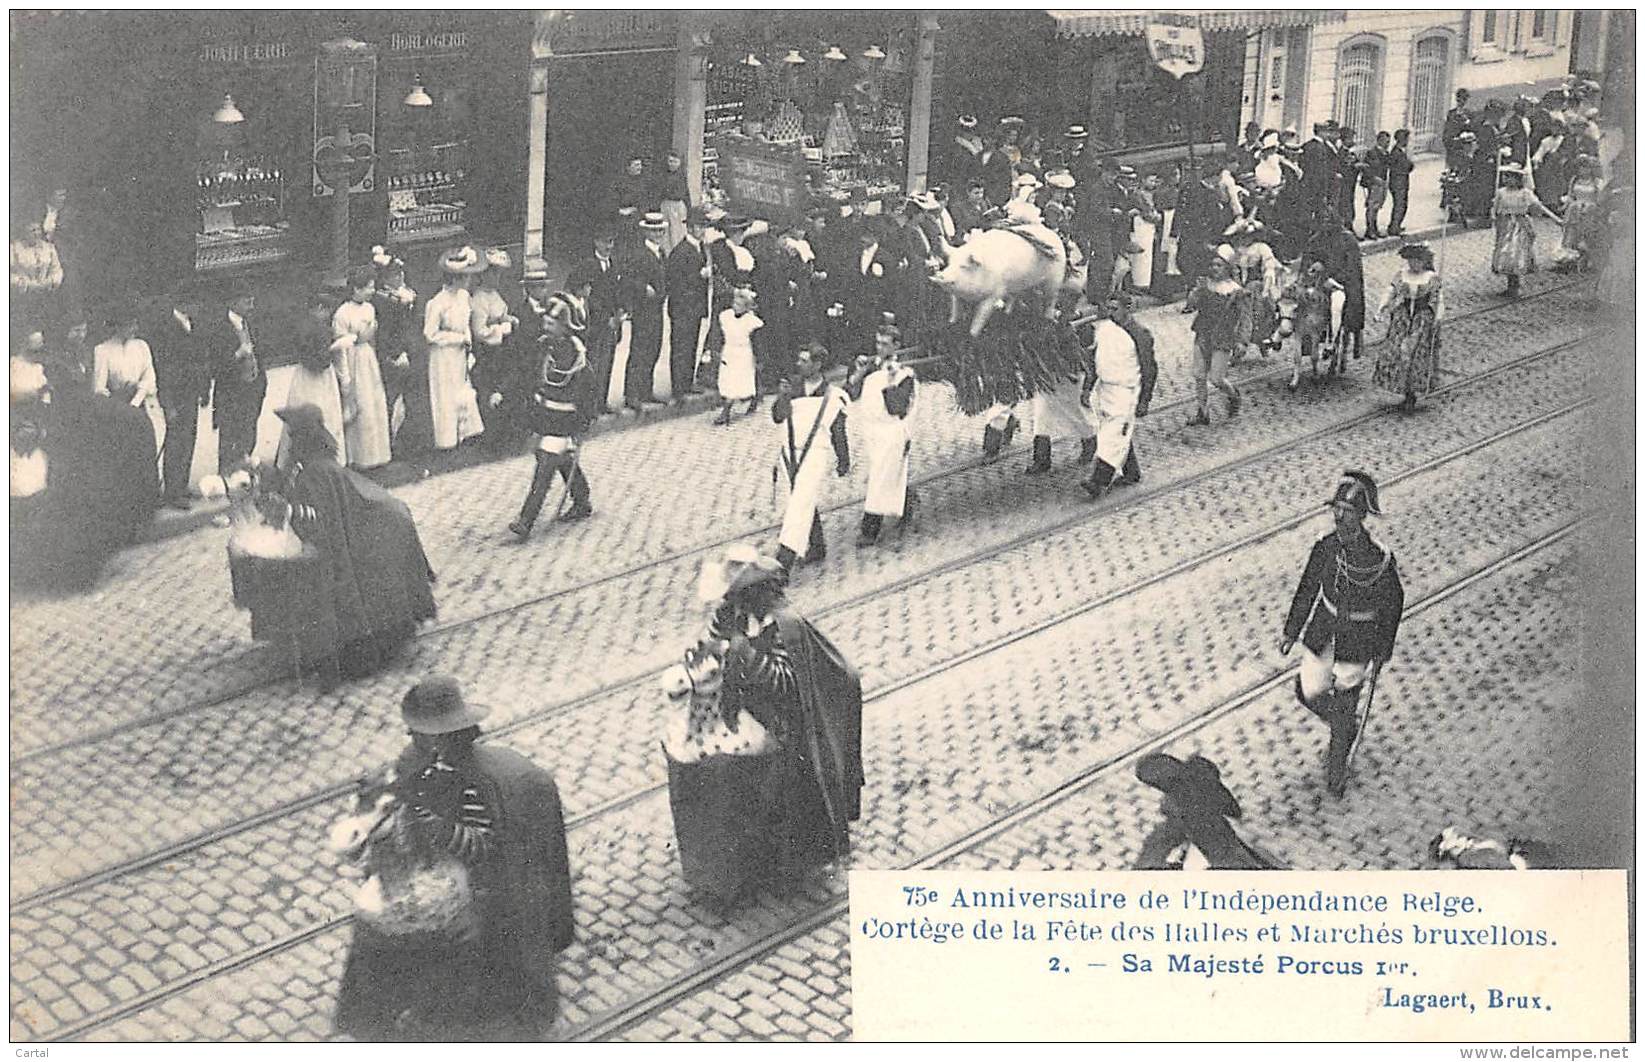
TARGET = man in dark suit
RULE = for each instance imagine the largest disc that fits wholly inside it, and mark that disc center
(602, 277)
(1399, 180)
(996, 171)
(689, 275)
(1319, 168)
(969, 212)
(1347, 176)
(1458, 120)
(238, 381)
(645, 286)
(873, 283)
(182, 373)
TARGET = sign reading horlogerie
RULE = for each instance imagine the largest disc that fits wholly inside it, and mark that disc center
(1176, 44)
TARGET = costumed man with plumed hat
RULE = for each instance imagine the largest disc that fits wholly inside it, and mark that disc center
(1346, 611)
(562, 406)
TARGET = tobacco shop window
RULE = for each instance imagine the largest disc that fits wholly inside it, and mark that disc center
(836, 96)
(243, 179)
(426, 120)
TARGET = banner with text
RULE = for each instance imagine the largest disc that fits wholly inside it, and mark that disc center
(1347, 956)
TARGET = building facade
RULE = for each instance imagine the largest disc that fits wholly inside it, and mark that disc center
(1387, 70)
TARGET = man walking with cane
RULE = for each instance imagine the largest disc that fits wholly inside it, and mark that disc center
(1346, 610)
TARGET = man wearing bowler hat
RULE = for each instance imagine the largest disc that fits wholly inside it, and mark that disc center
(645, 284)
(1346, 610)
(501, 816)
(690, 280)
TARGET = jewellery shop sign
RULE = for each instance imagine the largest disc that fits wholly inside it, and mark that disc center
(1176, 43)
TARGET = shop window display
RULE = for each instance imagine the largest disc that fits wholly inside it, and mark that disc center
(833, 114)
(1136, 105)
(427, 167)
(242, 190)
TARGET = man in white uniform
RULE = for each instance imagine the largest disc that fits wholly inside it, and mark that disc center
(884, 390)
(811, 416)
(1113, 400)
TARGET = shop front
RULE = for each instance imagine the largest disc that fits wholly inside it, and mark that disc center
(1099, 70)
(212, 148)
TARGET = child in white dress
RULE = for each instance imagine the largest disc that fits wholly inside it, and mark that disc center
(737, 327)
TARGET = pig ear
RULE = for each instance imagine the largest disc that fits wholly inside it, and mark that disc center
(971, 263)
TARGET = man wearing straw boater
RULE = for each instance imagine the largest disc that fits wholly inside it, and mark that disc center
(1346, 611)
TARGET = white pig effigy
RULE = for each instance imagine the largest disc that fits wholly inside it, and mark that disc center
(1011, 276)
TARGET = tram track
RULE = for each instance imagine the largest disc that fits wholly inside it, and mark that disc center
(619, 1020)
(1076, 517)
(637, 1012)
(440, 631)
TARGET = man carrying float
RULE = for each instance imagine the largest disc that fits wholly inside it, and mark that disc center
(883, 391)
(811, 417)
(1113, 402)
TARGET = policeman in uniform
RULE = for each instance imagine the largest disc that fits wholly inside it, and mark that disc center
(1346, 610)
(561, 408)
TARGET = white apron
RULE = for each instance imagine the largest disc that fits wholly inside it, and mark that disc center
(814, 463)
(1058, 414)
(885, 441)
(1118, 389)
(1142, 261)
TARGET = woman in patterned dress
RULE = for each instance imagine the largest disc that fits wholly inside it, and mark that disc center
(365, 403)
(1515, 252)
(1408, 362)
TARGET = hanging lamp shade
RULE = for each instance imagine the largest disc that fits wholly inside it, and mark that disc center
(873, 52)
(228, 113)
(751, 60)
(835, 54)
(794, 58)
(418, 96)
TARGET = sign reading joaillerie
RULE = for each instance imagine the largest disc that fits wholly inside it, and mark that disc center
(1176, 44)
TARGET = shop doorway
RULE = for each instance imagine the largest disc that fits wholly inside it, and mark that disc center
(602, 109)
(1286, 91)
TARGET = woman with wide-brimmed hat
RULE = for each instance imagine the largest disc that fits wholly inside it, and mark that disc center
(446, 327)
(1346, 611)
(378, 578)
(1408, 362)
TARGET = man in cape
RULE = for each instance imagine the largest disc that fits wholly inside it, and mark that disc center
(378, 577)
(500, 815)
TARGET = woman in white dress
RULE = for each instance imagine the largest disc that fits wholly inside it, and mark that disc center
(737, 327)
(365, 403)
(315, 379)
(455, 410)
(123, 369)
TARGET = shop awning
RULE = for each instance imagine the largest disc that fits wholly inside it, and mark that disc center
(1133, 23)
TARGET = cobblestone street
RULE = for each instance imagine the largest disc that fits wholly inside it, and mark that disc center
(173, 783)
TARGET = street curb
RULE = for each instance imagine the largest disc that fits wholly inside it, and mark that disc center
(171, 524)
